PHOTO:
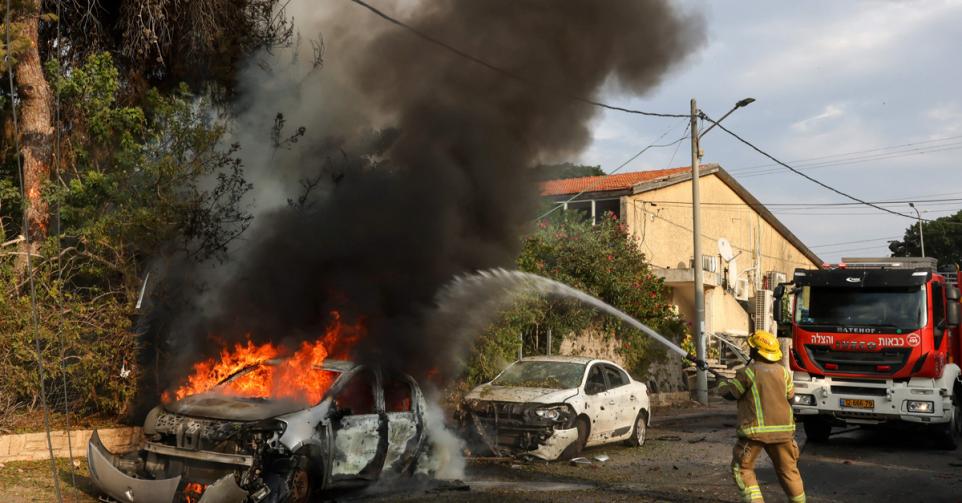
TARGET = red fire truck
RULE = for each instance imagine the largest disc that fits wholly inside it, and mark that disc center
(874, 341)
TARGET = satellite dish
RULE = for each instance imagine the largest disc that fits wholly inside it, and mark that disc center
(725, 249)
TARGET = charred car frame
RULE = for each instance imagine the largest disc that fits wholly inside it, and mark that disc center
(215, 448)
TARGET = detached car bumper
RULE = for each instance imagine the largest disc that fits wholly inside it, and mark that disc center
(122, 487)
(127, 489)
(552, 447)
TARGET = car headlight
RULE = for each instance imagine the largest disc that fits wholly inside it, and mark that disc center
(802, 399)
(920, 406)
(555, 413)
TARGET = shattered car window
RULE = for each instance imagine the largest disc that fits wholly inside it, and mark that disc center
(357, 397)
(270, 381)
(397, 395)
(535, 374)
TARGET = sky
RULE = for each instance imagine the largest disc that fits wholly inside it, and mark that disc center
(863, 96)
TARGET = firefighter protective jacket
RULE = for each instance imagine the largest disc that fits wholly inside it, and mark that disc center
(764, 391)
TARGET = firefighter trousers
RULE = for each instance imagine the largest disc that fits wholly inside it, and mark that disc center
(784, 456)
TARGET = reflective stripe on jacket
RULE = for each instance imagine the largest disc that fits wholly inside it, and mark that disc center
(764, 391)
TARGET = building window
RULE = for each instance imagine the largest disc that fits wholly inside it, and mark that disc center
(605, 206)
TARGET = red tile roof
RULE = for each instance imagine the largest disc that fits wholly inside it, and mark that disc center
(620, 181)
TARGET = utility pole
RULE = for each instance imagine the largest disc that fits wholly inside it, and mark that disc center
(921, 238)
(701, 383)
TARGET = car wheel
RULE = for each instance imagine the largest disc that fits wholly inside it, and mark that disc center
(640, 430)
(576, 447)
(300, 485)
(817, 429)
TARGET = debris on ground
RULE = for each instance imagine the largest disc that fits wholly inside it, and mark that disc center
(669, 438)
(601, 458)
(696, 440)
(580, 461)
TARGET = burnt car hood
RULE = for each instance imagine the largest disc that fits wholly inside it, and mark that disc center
(493, 393)
(217, 406)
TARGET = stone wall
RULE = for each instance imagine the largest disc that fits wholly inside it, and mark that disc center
(33, 446)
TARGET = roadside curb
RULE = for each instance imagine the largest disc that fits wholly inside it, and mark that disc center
(33, 446)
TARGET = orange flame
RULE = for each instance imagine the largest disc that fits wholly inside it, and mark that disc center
(296, 376)
(193, 491)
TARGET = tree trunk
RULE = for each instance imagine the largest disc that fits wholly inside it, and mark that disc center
(35, 125)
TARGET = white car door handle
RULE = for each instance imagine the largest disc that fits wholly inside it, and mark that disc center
(611, 402)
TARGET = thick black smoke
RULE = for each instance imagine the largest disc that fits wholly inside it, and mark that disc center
(395, 216)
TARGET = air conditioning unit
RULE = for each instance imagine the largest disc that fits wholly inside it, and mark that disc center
(762, 309)
(773, 279)
(741, 289)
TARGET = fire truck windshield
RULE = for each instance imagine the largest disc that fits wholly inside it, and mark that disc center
(902, 308)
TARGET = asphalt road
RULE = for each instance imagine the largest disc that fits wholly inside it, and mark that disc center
(687, 457)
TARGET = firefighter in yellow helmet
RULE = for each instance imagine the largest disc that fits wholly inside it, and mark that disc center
(764, 392)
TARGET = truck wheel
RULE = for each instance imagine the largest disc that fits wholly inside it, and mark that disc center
(952, 431)
(575, 448)
(817, 429)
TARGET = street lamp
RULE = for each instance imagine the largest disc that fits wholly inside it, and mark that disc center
(701, 384)
(743, 103)
(921, 238)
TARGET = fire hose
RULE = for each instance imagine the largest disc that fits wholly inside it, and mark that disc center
(703, 365)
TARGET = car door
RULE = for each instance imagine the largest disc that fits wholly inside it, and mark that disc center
(597, 408)
(623, 402)
(405, 430)
(357, 429)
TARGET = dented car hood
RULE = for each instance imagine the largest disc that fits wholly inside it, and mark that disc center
(490, 392)
(218, 406)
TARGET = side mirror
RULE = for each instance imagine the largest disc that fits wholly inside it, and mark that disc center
(777, 313)
(951, 293)
(953, 312)
(779, 291)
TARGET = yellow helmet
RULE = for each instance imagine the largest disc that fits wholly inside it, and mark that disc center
(766, 344)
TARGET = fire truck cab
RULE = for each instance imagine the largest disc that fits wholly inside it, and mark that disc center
(875, 341)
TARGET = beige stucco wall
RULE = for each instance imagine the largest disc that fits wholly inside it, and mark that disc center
(660, 220)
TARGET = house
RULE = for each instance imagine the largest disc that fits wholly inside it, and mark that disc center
(745, 249)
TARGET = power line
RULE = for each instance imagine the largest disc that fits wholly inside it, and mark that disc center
(622, 165)
(502, 71)
(840, 156)
(803, 175)
(918, 202)
(855, 242)
(860, 160)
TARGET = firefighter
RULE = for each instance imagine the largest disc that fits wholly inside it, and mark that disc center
(764, 391)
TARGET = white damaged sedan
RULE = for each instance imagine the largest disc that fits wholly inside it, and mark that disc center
(552, 407)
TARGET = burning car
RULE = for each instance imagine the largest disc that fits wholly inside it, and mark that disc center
(552, 407)
(233, 444)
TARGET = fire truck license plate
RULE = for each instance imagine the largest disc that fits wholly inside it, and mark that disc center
(857, 404)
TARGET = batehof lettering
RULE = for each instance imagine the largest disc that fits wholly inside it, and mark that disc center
(857, 330)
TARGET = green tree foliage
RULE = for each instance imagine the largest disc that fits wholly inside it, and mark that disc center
(135, 183)
(565, 170)
(601, 260)
(943, 240)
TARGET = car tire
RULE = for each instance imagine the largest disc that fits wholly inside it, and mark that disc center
(573, 450)
(952, 431)
(639, 431)
(817, 429)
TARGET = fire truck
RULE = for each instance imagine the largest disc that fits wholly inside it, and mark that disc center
(874, 341)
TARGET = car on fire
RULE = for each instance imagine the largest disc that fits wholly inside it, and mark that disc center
(552, 407)
(215, 447)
